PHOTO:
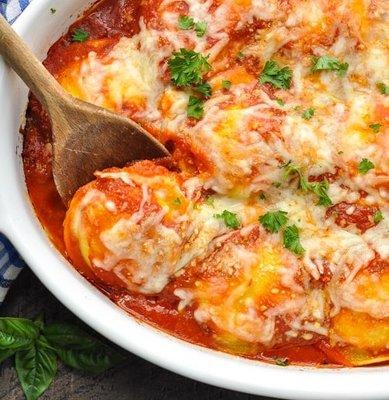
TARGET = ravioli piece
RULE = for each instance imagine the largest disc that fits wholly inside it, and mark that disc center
(361, 331)
(124, 79)
(129, 226)
(244, 287)
(367, 293)
(137, 226)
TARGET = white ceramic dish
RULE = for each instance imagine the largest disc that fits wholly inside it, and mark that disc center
(17, 220)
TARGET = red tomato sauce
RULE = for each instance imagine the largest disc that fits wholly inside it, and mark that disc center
(109, 20)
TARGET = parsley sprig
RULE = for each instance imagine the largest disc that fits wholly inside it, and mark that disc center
(186, 23)
(291, 239)
(226, 84)
(37, 347)
(365, 166)
(281, 361)
(229, 218)
(384, 89)
(308, 113)
(205, 89)
(375, 127)
(195, 107)
(80, 35)
(318, 188)
(187, 67)
(274, 221)
(327, 63)
(378, 216)
(200, 28)
(279, 77)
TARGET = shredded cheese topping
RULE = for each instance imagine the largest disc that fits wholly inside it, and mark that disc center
(254, 285)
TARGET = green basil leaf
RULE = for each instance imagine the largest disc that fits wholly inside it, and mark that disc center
(6, 353)
(36, 368)
(68, 336)
(95, 359)
(16, 333)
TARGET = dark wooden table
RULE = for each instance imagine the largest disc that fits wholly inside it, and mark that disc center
(136, 380)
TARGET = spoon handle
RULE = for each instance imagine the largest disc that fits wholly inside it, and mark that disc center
(22, 60)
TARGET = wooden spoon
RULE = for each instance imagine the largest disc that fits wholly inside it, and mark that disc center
(86, 138)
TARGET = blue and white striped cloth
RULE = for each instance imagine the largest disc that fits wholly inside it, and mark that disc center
(10, 262)
(11, 9)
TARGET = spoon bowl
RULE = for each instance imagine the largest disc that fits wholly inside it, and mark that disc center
(90, 138)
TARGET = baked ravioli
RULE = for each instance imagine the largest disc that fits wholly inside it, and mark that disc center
(266, 233)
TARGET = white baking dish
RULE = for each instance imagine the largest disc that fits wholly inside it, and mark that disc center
(17, 220)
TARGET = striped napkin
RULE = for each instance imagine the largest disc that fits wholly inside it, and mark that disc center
(11, 9)
(10, 262)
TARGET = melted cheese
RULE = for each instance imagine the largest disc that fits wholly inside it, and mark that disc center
(239, 147)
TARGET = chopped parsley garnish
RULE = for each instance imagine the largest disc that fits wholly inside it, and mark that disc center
(384, 89)
(364, 166)
(187, 67)
(291, 169)
(318, 188)
(53, 10)
(185, 22)
(176, 202)
(291, 239)
(308, 113)
(375, 127)
(80, 35)
(200, 28)
(282, 362)
(273, 221)
(226, 84)
(229, 218)
(280, 102)
(210, 201)
(272, 73)
(203, 88)
(239, 55)
(195, 107)
(326, 63)
(378, 216)
(262, 196)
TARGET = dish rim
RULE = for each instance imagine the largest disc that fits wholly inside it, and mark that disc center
(19, 223)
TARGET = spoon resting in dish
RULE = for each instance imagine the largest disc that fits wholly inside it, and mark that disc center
(86, 138)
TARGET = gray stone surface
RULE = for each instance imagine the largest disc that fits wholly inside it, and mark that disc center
(135, 380)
